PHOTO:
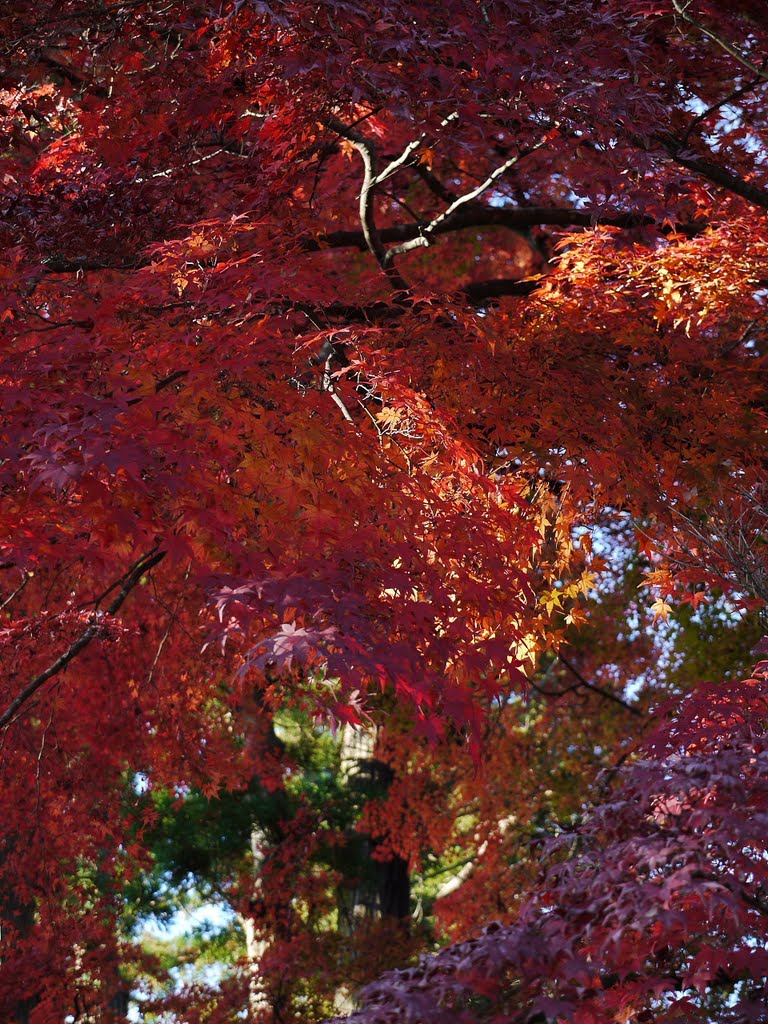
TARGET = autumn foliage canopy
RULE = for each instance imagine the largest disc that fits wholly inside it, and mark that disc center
(390, 370)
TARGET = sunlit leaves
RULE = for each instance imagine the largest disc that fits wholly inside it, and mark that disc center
(427, 508)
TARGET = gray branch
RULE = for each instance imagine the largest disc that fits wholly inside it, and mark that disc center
(425, 238)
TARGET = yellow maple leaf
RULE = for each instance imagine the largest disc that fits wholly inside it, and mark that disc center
(660, 609)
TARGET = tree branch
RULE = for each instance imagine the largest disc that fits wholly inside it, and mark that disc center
(476, 293)
(477, 215)
(73, 77)
(717, 174)
(433, 183)
(466, 217)
(57, 264)
(597, 689)
(131, 580)
(367, 195)
(408, 152)
(465, 872)
(425, 236)
(724, 44)
(15, 593)
(734, 94)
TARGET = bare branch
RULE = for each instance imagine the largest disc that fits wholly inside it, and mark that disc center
(171, 622)
(458, 878)
(477, 215)
(466, 217)
(165, 382)
(725, 539)
(400, 161)
(483, 186)
(56, 264)
(479, 292)
(734, 94)
(465, 872)
(425, 236)
(409, 151)
(476, 293)
(367, 153)
(70, 75)
(717, 174)
(328, 385)
(120, 580)
(434, 184)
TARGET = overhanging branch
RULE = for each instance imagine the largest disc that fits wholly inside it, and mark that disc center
(477, 215)
(476, 293)
(681, 7)
(467, 217)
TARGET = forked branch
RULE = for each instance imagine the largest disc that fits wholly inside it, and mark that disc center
(425, 238)
(367, 152)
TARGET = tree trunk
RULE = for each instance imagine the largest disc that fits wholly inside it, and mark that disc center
(252, 923)
(19, 918)
(385, 890)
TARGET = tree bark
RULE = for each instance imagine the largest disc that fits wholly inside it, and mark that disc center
(385, 890)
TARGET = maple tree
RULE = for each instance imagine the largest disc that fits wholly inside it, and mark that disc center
(401, 370)
(657, 914)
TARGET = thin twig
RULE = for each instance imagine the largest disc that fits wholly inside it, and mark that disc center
(597, 689)
(715, 173)
(735, 344)
(734, 94)
(409, 151)
(169, 627)
(96, 601)
(16, 592)
(468, 197)
(165, 382)
(434, 184)
(327, 385)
